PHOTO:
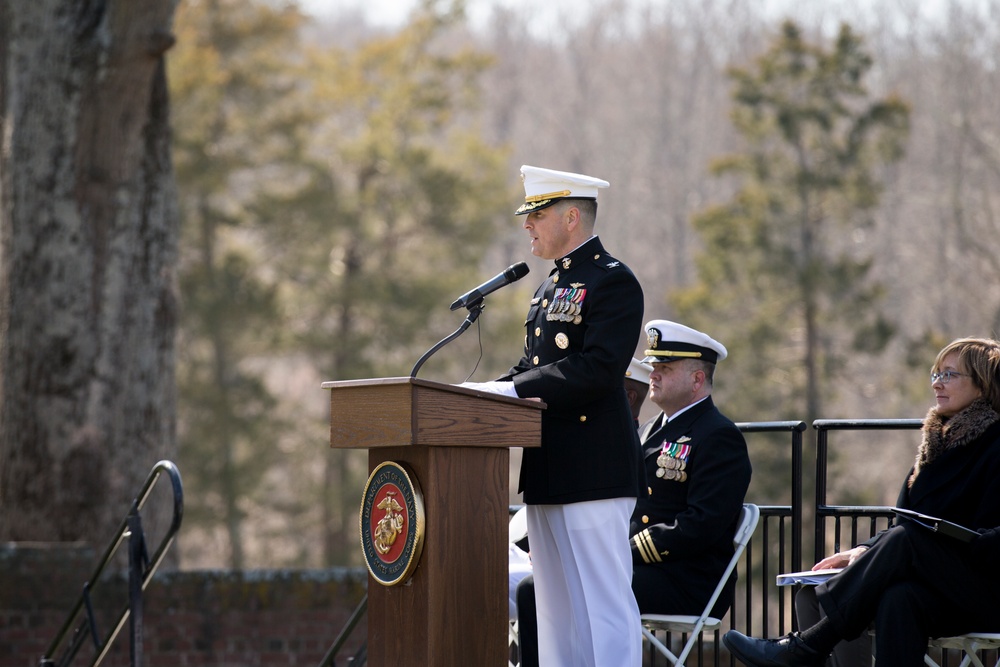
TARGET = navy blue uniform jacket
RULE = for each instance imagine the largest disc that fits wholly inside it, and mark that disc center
(691, 523)
(580, 333)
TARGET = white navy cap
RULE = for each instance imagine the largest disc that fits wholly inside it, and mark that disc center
(638, 370)
(670, 341)
(544, 187)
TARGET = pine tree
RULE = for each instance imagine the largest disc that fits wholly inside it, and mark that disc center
(231, 70)
(399, 201)
(785, 274)
(336, 199)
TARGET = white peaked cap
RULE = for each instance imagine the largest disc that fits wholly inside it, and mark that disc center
(639, 370)
(544, 187)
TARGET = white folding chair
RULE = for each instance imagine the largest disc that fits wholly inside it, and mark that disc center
(970, 644)
(695, 625)
(517, 529)
(512, 643)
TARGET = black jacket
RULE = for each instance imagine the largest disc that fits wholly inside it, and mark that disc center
(690, 524)
(952, 583)
(580, 333)
(962, 485)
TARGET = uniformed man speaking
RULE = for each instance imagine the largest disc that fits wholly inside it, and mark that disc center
(580, 486)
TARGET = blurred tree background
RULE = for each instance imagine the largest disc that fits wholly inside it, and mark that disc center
(334, 198)
(814, 183)
(779, 275)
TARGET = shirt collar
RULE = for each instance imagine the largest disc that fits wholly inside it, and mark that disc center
(683, 410)
(561, 262)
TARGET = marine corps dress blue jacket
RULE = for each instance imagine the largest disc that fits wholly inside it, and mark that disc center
(581, 330)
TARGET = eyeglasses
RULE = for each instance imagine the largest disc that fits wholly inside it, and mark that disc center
(944, 377)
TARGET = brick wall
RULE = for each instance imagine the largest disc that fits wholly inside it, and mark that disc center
(218, 618)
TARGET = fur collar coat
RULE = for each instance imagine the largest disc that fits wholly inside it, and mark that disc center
(941, 434)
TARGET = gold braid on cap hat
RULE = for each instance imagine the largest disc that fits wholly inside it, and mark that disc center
(551, 195)
(671, 353)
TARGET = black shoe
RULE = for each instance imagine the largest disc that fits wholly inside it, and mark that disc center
(789, 651)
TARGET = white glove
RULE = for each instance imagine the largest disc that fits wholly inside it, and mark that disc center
(493, 386)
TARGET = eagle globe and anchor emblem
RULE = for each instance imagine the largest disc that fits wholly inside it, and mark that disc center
(392, 524)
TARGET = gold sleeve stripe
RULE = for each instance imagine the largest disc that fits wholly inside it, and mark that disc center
(641, 548)
(651, 548)
(644, 542)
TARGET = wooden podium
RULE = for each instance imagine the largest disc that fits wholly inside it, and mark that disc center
(452, 611)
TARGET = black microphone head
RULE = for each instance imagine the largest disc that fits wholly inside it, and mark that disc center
(516, 271)
(509, 275)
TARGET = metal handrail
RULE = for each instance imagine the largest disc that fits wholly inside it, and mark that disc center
(823, 428)
(796, 428)
(141, 569)
(329, 660)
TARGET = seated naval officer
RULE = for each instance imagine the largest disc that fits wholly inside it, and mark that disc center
(697, 472)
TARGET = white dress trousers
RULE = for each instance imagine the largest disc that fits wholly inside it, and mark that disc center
(587, 614)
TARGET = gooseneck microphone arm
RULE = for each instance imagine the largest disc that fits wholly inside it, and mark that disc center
(474, 301)
(474, 312)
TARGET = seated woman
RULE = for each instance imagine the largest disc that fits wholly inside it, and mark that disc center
(910, 582)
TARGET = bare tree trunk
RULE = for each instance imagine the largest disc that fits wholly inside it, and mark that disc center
(88, 244)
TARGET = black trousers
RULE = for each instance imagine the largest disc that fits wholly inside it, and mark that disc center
(527, 622)
(913, 584)
(848, 653)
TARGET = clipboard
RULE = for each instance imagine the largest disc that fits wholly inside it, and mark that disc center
(938, 525)
(806, 578)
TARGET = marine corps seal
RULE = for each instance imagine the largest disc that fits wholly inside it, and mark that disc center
(392, 524)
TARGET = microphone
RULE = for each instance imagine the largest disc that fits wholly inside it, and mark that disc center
(509, 275)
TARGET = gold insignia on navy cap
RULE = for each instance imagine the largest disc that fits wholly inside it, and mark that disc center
(652, 337)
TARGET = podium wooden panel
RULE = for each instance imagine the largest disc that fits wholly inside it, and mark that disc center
(453, 610)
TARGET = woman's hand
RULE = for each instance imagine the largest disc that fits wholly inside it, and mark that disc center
(841, 559)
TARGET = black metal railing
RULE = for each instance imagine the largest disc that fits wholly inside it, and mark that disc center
(360, 657)
(836, 514)
(140, 569)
